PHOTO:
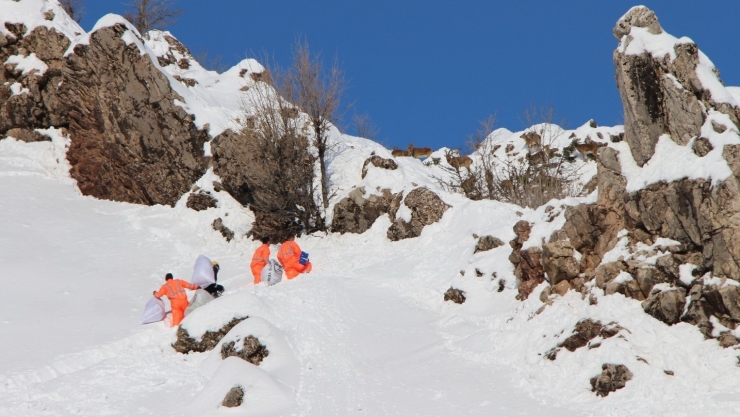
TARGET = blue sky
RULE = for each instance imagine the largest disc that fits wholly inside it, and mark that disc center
(427, 71)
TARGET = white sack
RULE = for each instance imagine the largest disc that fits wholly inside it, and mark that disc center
(153, 311)
(203, 272)
(200, 298)
(272, 273)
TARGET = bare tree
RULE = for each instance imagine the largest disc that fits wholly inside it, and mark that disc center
(211, 62)
(471, 180)
(152, 14)
(317, 90)
(74, 9)
(364, 127)
(280, 172)
(280, 169)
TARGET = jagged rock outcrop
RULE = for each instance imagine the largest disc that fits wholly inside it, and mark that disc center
(379, 162)
(666, 306)
(612, 378)
(661, 94)
(249, 349)
(486, 243)
(559, 262)
(583, 333)
(186, 343)
(27, 135)
(31, 80)
(230, 157)
(356, 214)
(426, 209)
(719, 301)
(680, 225)
(727, 339)
(130, 141)
(455, 295)
(527, 263)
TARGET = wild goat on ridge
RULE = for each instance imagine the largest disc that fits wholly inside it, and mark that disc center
(589, 149)
(399, 152)
(413, 152)
(419, 152)
(458, 162)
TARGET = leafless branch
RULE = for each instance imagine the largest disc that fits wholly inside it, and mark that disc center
(152, 14)
(365, 127)
(74, 8)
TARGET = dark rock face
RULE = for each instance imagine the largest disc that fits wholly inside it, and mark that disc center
(612, 378)
(218, 225)
(727, 339)
(230, 158)
(527, 263)
(426, 209)
(583, 333)
(27, 135)
(356, 214)
(379, 162)
(186, 343)
(586, 330)
(130, 142)
(455, 295)
(660, 95)
(706, 301)
(486, 243)
(666, 306)
(41, 106)
(558, 261)
(251, 350)
(201, 200)
(234, 397)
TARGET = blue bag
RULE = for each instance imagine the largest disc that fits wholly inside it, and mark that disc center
(304, 258)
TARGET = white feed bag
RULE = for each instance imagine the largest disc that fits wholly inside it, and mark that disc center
(203, 272)
(272, 273)
(153, 311)
(200, 298)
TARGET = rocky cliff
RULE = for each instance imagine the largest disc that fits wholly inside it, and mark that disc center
(130, 139)
(666, 236)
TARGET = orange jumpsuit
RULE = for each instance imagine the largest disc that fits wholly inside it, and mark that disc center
(260, 258)
(289, 257)
(174, 289)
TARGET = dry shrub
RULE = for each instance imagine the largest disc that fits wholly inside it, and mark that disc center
(280, 167)
(529, 180)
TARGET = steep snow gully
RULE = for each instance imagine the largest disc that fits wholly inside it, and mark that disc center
(365, 344)
(368, 331)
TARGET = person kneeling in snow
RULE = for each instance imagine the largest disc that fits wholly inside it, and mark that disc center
(174, 289)
(292, 259)
(260, 258)
(214, 289)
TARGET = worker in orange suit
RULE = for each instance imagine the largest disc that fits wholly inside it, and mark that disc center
(260, 258)
(289, 257)
(174, 289)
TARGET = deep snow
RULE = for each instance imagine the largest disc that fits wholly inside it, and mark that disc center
(366, 333)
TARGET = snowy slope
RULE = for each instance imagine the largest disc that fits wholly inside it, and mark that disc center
(366, 333)
(368, 330)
